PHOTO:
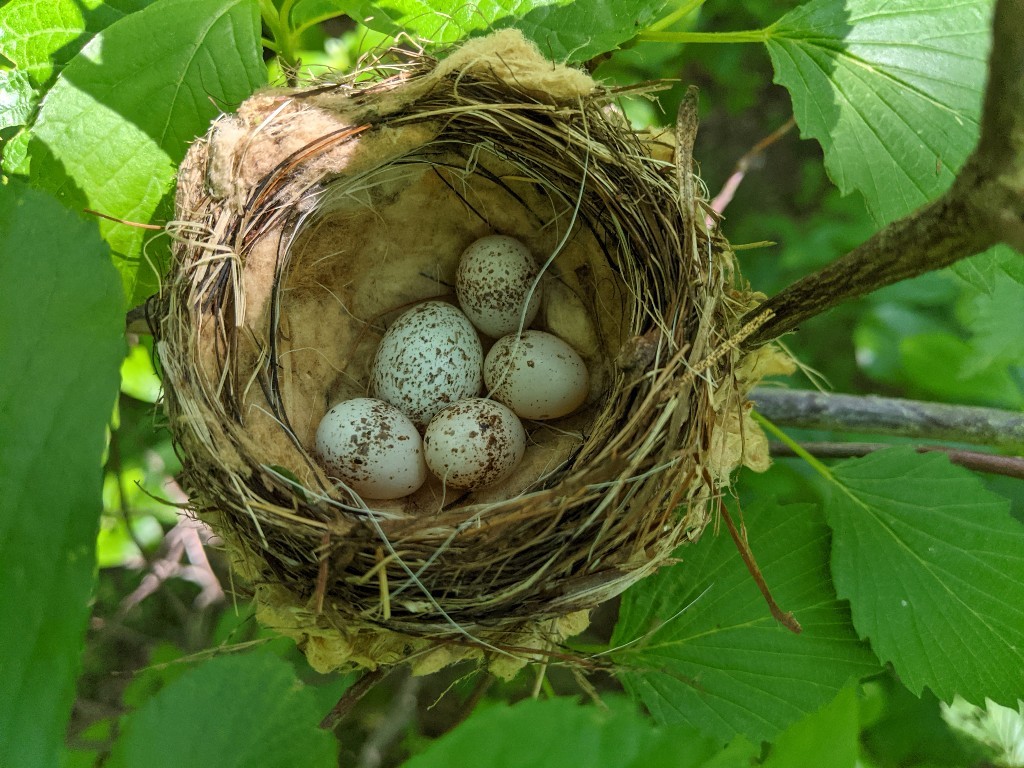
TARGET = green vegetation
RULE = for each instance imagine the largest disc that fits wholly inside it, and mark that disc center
(905, 570)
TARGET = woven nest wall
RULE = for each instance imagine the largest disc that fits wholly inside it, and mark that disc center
(312, 218)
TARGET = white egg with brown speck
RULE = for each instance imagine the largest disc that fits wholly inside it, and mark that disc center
(493, 284)
(372, 447)
(537, 375)
(429, 357)
(474, 443)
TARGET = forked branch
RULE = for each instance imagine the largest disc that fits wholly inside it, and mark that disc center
(983, 207)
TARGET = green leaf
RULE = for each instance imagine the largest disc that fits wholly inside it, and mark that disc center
(15, 154)
(61, 342)
(988, 316)
(40, 36)
(724, 665)
(306, 13)
(943, 367)
(120, 117)
(909, 730)
(985, 270)
(572, 30)
(562, 733)
(890, 88)
(238, 711)
(17, 98)
(826, 737)
(933, 567)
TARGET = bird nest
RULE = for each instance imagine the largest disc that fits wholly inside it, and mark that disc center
(308, 220)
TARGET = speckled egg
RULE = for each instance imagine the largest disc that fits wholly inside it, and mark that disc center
(492, 283)
(473, 443)
(372, 447)
(428, 358)
(537, 375)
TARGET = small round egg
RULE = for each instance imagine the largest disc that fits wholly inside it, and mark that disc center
(473, 443)
(373, 447)
(429, 357)
(537, 375)
(492, 282)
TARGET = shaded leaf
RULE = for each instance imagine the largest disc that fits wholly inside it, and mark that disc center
(724, 665)
(985, 270)
(942, 367)
(239, 711)
(909, 730)
(933, 567)
(563, 733)
(826, 737)
(306, 13)
(61, 342)
(891, 89)
(112, 142)
(573, 30)
(988, 316)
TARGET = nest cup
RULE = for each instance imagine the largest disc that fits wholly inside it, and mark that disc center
(312, 218)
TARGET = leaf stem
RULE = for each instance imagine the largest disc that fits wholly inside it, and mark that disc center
(785, 618)
(678, 14)
(747, 36)
(794, 446)
(278, 27)
(286, 12)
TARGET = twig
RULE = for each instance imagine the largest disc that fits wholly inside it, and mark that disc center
(136, 224)
(786, 619)
(724, 197)
(984, 206)
(892, 416)
(483, 684)
(1009, 466)
(352, 696)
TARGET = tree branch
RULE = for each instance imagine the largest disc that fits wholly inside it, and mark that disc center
(1009, 466)
(984, 206)
(891, 416)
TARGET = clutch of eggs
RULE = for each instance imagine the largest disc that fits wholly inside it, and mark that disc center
(427, 373)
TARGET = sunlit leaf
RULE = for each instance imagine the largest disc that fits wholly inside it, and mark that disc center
(17, 98)
(890, 88)
(112, 142)
(574, 30)
(40, 36)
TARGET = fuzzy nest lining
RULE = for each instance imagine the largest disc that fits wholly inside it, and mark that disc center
(312, 218)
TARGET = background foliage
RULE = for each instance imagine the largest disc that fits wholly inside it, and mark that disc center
(907, 573)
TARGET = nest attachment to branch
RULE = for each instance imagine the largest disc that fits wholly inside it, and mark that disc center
(312, 218)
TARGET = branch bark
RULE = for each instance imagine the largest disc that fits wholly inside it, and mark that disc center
(1008, 466)
(984, 205)
(892, 416)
